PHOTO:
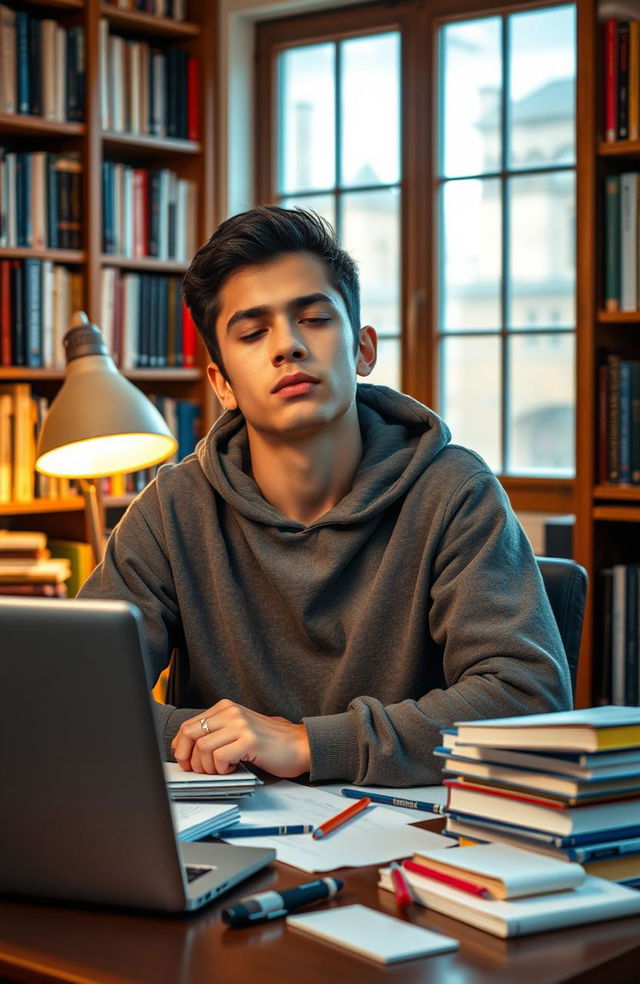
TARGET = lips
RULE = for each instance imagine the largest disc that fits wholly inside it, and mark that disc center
(294, 380)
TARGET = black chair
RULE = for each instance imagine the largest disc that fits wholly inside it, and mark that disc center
(566, 586)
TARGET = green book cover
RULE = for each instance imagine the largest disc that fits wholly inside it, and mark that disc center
(80, 556)
(612, 243)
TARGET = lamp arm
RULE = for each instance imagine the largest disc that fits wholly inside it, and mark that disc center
(93, 516)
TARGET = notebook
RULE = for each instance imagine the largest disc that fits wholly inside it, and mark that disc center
(587, 730)
(85, 811)
(506, 872)
(372, 934)
(593, 901)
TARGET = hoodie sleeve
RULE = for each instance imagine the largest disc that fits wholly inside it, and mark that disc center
(135, 569)
(502, 654)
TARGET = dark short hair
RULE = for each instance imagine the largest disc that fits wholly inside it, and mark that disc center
(256, 237)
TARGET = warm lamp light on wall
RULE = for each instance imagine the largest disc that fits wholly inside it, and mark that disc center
(99, 423)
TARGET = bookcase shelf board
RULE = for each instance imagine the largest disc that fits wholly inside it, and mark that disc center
(148, 24)
(619, 317)
(42, 506)
(621, 148)
(148, 263)
(164, 375)
(115, 144)
(72, 256)
(621, 493)
(23, 125)
(59, 5)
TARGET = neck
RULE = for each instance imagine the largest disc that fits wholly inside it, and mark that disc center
(306, 476)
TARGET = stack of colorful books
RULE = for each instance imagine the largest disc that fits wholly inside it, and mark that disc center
(565, 785)
(28, 568)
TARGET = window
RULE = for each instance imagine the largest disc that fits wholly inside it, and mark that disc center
(506, 179)
(462, 219)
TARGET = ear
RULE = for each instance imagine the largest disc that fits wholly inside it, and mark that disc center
(367, 351)
(221, 387)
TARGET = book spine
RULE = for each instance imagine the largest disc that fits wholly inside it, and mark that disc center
(17, 295)
(34, 68)
(631, 636)
(618, 626)
(623, 80)
(32, 283)
(624, 423)
(634, 79)
(193, 99)
(6, 354)
(613, 363)
(635, 423)
(610, 79)
(603, 417)
(602, 678)
(22, 57)
(629, 241)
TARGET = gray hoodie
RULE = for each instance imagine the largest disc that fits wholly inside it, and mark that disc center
(413, 603)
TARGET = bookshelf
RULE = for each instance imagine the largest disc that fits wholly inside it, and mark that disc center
(92, 142)
(607, 531)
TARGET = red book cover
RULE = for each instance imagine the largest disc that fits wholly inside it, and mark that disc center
(611, 79)
(6, 356)
(189, 333)
(139, 243)
(507, 793)
(193, 99)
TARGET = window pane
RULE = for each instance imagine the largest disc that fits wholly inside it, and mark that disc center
(470, 84)
(542, 87)
(324, 205)
(306, 124)
(542, 399)
(370, 105)
(472, 251)
(371, 233)
(470, 385)
(542, 251)
(387, 370)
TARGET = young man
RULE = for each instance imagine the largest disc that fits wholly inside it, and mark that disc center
(338, 581)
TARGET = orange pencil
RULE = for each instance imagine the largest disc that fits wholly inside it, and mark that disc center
(337, 821)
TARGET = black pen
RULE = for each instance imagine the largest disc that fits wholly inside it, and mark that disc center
(270, 905)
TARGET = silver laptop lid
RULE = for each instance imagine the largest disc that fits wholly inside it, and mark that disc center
(85, 814)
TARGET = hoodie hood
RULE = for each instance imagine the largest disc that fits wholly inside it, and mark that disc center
(400, 437)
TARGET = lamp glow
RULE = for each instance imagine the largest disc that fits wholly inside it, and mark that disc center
(99, 423)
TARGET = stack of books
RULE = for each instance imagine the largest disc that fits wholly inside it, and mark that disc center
(27, 567)
(566, 785)
(190, 786)
(508, 891)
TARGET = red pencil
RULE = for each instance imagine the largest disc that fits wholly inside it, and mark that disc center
(401, 887)
(453, 880)
(337, 821)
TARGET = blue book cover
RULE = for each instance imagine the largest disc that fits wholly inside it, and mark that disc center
(22, 54)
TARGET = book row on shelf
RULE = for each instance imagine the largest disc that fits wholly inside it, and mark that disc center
(145, 322)
(621, 74)
(147, 88)
(40, 200)
(621, 254)
(21, 415)
(37, 298)
(42, 66)
(148, 212)
(618, 457)
(618, 676)
(174, 9)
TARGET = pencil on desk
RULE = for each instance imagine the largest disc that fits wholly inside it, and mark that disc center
(340, 818)
(395, 801)
(242, 830)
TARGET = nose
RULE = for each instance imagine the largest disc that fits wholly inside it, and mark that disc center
(288, 346)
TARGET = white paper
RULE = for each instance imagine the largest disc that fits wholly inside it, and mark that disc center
(240, 776)
(425, 794)
(378, 835)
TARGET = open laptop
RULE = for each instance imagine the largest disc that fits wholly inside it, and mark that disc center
(85, 812)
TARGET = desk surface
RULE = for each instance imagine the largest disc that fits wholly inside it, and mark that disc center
(41, 944)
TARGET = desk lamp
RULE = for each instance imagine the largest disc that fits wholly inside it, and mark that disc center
(99, 424)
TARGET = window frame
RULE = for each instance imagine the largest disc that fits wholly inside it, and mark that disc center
(418, 24)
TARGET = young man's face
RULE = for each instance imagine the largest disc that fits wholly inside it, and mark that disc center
(288, 347)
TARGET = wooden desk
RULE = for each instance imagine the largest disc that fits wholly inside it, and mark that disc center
(50, 943)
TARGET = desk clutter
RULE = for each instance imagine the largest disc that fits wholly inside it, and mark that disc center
(564, 785)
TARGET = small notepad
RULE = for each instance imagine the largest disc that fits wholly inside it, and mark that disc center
(372, 934)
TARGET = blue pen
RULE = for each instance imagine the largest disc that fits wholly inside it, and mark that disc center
(247, 831)
(357, 794)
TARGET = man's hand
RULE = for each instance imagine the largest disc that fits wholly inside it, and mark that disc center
(237, 734)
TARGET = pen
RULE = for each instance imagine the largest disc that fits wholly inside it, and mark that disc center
(401, 888)
(340, 818)
(461, 883)
(242, 830)
(395, 801)
(270, 905)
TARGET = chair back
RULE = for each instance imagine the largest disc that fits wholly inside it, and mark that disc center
(566, 586)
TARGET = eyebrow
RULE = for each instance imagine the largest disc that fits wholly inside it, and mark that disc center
(296, 304)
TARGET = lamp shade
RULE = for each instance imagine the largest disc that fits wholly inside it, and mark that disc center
(99, 424)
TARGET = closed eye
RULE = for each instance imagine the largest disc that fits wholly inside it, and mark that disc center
(314, 321)
(251, 336)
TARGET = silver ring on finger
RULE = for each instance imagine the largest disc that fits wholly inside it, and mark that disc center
(204, 725)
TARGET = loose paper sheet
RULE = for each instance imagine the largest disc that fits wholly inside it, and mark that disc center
(378, 835)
